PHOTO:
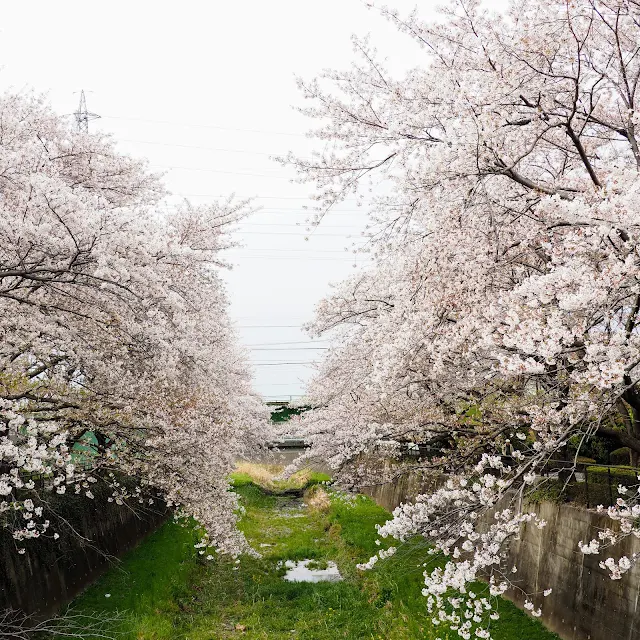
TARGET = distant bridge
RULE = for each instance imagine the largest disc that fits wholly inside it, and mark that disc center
(288, 443)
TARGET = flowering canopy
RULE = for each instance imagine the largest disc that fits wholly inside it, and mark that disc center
(117, 356)
(501, 312)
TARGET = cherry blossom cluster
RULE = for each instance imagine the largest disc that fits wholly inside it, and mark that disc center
(117, 356)
(500, 315)
(626, 514)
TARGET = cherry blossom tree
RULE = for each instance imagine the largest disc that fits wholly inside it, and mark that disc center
(500, 315)
(118, 362)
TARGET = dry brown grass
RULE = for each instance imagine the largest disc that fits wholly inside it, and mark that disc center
(267, 476)
(317, 499)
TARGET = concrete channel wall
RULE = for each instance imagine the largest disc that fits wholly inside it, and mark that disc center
(586, 604)
(51, 573)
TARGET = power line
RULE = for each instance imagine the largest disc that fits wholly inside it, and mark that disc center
(211, 195)
(299, 225)
(288, 233)
(281, 364)
(281, 384)
(269, 326)
(233, 173)
(288, 317)
(305, 258)
(286, 250)
(280, 396)
(191, 146)
(299, 395)
(205, 126)
(294, 225)
(201, 148)
(285, 394)
(293, 349)
(306, 211)
(269, 344)
(291, 254)
(170, 206)
(204, 148)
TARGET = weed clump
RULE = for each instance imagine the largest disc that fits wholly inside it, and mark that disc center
(268, 478)
(317, 499)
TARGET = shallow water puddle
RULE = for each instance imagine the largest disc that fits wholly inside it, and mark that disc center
(306, 571)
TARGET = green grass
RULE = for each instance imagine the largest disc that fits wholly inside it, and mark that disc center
(147, 583)
(166, 591)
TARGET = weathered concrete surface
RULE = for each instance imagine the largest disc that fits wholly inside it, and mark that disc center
(285, 457)
(402, 489)
(585, 604)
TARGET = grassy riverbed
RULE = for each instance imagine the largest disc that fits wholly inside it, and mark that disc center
(163, 591)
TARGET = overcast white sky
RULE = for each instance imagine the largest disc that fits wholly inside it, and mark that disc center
(205, 91)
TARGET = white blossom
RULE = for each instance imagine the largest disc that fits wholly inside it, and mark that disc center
(499, 317)
(123, 357)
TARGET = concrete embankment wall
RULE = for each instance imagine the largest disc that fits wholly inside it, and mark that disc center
(51, 573)
(585, 604)
(284, 457)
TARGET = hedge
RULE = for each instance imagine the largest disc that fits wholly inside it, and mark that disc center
(620, 456)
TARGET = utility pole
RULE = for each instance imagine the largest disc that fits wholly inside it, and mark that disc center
(83, 116)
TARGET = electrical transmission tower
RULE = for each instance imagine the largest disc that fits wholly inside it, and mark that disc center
(83, 116)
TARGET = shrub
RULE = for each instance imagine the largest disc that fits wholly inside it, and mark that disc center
(623, 475)
(548, 491)
(603, 483)
(621, 456)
